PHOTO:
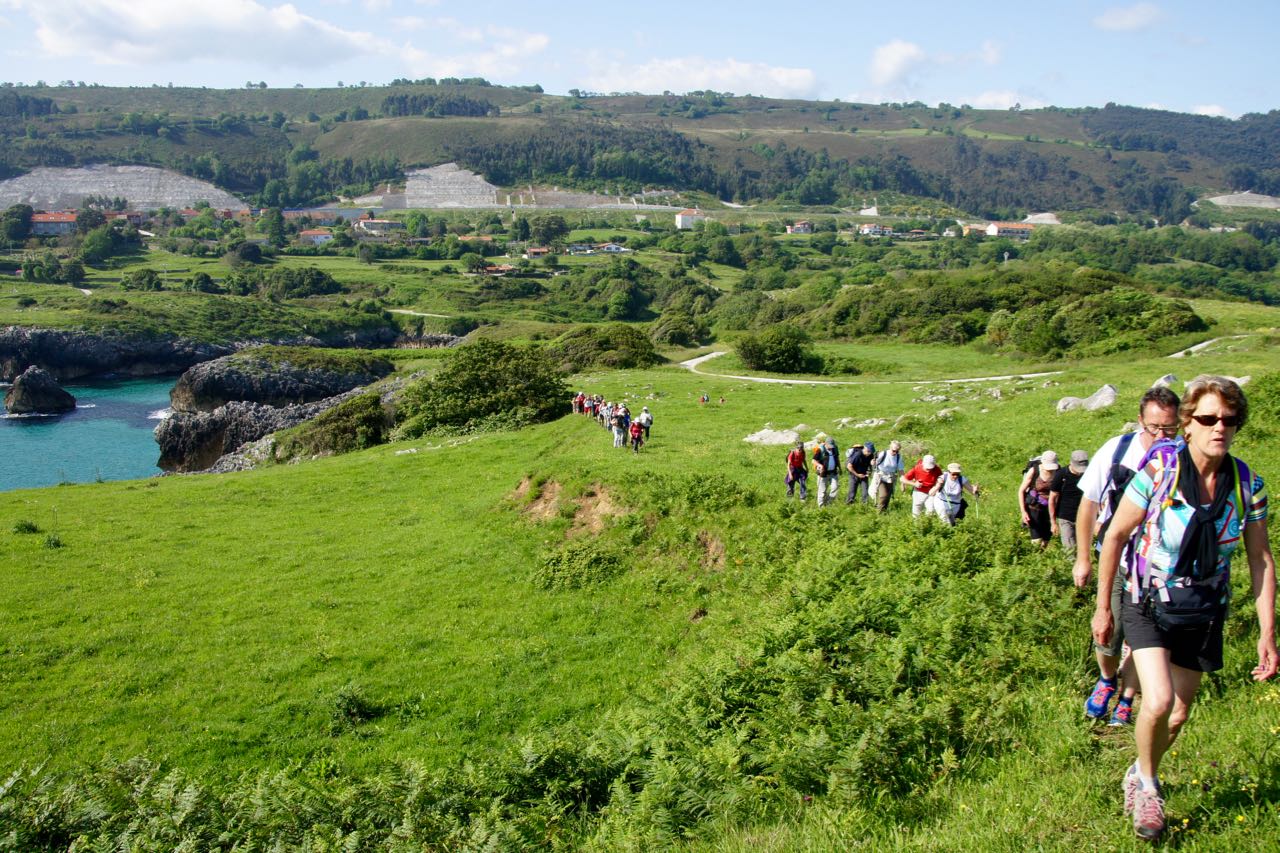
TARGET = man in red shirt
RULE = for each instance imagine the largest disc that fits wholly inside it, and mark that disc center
(922, 478)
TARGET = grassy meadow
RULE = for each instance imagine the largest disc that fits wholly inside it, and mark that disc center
(532, 640)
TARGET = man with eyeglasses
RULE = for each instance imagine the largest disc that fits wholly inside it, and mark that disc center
(1103, 483)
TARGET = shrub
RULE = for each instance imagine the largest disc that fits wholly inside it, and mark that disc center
(615, 345)
(25, 526)
(350, 708)
(355, 424)
(576, 565)
(485, 384)
(782, 349)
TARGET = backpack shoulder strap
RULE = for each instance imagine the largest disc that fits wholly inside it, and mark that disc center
(1244, 485)
(1122, 447)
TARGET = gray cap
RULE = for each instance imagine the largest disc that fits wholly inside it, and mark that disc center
(1079, 459)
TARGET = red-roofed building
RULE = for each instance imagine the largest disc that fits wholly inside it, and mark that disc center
(315, 236)
(689, 217)
(53, 224)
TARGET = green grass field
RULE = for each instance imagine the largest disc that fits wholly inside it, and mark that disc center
(335, 619)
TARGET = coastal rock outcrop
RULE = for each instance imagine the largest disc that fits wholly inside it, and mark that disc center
(195, 441)
(272, 381)
(36, 392)
(69, 354)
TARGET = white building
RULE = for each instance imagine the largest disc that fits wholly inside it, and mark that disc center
(689, 217)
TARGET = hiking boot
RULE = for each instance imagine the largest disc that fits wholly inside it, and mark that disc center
(1132, 784)
(1122, 715)
(1148, 814)
(1095, 707)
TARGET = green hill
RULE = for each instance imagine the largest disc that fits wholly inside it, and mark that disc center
(744, 149)
(529, 640)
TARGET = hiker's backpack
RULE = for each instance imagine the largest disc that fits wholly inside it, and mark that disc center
(1185, 598)
(1031, 497)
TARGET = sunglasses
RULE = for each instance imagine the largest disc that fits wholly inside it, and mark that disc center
(1165, 429)
(1233, 421)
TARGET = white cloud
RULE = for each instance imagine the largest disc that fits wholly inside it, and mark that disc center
(376, 6)
(684, 74)
(892, 62)
(1210, 110)
(139, 32)
(1003, 99)
(1128, 18)
(410, 22)
(503, 52)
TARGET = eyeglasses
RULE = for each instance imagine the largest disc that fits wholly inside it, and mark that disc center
(1162, 429)
(1233, 421)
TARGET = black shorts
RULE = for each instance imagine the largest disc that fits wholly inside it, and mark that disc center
(1198, 649)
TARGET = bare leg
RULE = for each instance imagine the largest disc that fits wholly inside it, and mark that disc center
(1167, 694)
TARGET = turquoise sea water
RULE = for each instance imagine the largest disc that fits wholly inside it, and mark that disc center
(108, 437)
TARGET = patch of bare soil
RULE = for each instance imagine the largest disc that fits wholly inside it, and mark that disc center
(521, 491)
(595, 508)
(546, 505)
(712, 551)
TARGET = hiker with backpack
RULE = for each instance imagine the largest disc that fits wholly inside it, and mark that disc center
(947, 496)
(1033, 497)
(886, 468)
(797, 471)
(637, 436)
(1101, 488)
(826, 464)
(645, 419)
(923, 476)
(1064, 499)
(857, 462)
(1182, 516)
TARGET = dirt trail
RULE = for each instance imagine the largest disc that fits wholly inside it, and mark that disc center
(694, 363)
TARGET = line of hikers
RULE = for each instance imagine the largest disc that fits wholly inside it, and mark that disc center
(616, 418)
(934, 491)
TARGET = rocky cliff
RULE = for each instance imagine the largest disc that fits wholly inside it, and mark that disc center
(36, 392)
(194, 441)
(272, 381)
(69, 354)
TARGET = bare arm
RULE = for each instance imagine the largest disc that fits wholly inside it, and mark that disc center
(1126, 520)
(1022, 495)
(1262, 575)
(1086, 521)
(1053, 512)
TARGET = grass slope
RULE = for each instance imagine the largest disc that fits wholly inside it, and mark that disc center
(381, 607)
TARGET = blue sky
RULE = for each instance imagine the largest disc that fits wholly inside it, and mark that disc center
(1213, 58)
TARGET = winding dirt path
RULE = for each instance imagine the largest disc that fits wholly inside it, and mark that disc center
(417, 313)
(693, 364)
(1205, 345)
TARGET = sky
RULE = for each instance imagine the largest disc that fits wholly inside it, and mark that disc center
(1209, 58)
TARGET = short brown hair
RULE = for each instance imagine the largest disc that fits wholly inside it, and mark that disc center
(1226, 389)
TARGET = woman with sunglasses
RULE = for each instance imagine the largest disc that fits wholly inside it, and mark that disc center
(1203, 496)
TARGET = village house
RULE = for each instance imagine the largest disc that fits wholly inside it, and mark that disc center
(689, 217)
(874, 229)
(1012, 230)
(498, 270)
(581, 249)
(536, 252)
(53, 224)
(804, 226)
(378, 227)
(315, 236)
(611, 248)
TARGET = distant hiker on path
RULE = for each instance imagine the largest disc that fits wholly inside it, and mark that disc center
(645, 420)
(1101, 488)
(1064, 499)
(1191, 506)
(858, 464)
(797, 471)
(922, 478)
(887, 467)
(947, 495)
(826, 463)
(1033, 497)
(637, 436)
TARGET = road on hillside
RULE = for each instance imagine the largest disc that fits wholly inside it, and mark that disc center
(693, 364)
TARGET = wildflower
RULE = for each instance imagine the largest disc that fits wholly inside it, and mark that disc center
(1239, 818)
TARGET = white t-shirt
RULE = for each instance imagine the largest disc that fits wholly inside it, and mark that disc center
(1095, 484)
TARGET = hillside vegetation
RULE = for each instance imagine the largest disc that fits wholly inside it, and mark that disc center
(301, 146)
